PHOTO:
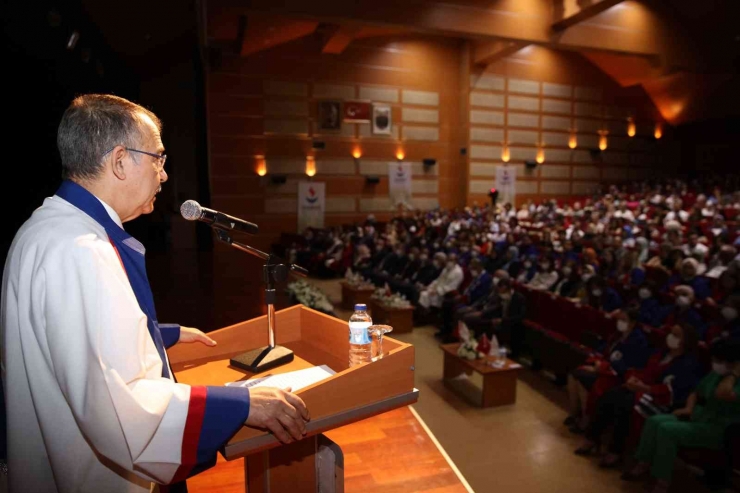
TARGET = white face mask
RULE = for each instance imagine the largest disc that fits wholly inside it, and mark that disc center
(683, 301)
(596, 292)
(730, 313)
(622, 326)
(644, 293)
(672, 341)
(496, 281)
(720, 368)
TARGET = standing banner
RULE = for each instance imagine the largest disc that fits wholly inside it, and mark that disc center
(399, 183)
(311, 205)
(506, 184)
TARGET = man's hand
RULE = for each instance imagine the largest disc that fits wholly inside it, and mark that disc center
(189, 334)
(281, 412)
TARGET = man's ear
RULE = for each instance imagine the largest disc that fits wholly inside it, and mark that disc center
(117, 166)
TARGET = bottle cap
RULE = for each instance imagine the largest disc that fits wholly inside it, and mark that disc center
(360, 306)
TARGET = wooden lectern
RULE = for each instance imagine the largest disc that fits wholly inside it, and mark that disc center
(350, 395)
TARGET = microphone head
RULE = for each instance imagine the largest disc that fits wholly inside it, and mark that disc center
(191, 210)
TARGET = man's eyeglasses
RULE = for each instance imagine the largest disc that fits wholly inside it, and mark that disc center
(161, 158)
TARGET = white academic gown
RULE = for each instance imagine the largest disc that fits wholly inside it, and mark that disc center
(87, 406)
(448, 281)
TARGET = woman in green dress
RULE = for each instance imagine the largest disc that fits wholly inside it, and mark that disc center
(709, 410)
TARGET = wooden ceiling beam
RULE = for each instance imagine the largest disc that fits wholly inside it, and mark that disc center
(567, 13)
(487, 52)
(339, 38)
(528, 21)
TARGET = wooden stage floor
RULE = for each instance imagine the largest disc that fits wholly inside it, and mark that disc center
(390, 452)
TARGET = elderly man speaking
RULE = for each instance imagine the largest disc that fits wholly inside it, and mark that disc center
(92, 404)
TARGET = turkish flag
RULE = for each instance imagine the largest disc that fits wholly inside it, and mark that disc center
(356, 111)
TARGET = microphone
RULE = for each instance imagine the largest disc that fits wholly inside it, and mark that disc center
(192, 211)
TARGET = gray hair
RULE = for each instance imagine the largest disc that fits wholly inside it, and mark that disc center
(94, 124)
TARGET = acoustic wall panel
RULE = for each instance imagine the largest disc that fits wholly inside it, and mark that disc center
(523, 120)
(422, 98)
(523, 103)
(524, 86)
(420, 133)
(419, 116)
(557, 90)
(486, 100)
(384, 94)
(488, 82)
(487, 117)
(479, 134)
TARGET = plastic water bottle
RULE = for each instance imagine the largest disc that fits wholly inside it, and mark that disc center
(360, 345)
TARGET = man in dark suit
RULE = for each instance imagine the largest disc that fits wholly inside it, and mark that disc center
(503, 316)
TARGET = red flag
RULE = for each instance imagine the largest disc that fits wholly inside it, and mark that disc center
(356, 111)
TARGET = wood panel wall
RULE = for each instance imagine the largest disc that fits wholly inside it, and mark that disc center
(264, 106)
(534, 99)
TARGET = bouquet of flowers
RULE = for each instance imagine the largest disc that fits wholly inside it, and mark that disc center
(385, 297)
(468, 349)
(309, 295)
(356, 280)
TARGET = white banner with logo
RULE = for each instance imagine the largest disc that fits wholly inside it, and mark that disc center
(399, 183)
(506, 184)
(311, 205)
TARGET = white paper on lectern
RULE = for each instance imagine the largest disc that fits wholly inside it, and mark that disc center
(296, 380)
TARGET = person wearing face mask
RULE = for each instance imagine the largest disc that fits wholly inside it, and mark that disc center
(700, 423)
(477, 289)
(684, 311)
(600, 296)
(448, 281)
(728, 326)
(663, 385)
(688, 277)
(570, 281)
(529, 269)
(652, 313)
(546, 275)
(627, 349)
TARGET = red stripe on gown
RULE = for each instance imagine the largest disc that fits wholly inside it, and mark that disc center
(191, 433)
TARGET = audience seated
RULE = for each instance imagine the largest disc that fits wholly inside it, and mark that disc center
(603, 280)
(701, 422)
(627, 349)
(662, 386)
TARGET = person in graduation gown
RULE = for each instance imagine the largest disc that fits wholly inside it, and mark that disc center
(92, 404)
(700, 423)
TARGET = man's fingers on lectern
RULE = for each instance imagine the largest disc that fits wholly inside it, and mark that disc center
(299, 405)
(276, 427)
(291, 426)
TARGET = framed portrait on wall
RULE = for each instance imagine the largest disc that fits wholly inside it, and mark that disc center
(330, 116)
(382, 119)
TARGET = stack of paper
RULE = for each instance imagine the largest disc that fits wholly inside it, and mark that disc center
(296, 380)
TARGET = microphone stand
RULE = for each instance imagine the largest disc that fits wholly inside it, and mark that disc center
(274, 271)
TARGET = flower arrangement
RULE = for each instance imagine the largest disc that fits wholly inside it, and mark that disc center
(468, 349)
(385, 297)
(355, 280)
(309, 295)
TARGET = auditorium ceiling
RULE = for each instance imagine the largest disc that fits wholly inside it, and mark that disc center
(684, 53)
